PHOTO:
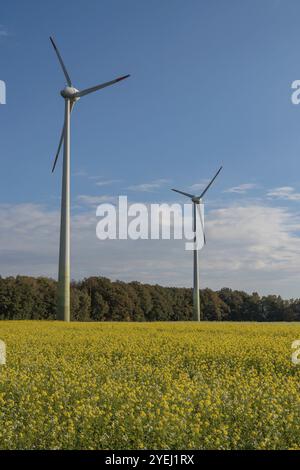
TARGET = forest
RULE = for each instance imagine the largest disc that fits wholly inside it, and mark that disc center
(99, 299)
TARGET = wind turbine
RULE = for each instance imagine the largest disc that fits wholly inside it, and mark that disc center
(70, 95)
(197, 200)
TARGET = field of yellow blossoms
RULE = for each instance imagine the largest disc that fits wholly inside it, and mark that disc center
(149, 386)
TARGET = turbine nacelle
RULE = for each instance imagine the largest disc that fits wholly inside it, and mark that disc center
(196, 200)
(69, 92)
(72, 94)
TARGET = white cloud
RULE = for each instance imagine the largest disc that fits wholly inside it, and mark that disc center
(94, 200)
(148, 187)
(80, 173)
(101, 181)
(199, 186)
(250, 247)
(107, 182)
(254, 247)
(241, 189)
(284, 192)
(3, 31)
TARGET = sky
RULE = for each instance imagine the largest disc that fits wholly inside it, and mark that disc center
(210, 85)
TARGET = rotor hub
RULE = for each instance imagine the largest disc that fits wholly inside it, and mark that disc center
(69, 92)
(196, 200)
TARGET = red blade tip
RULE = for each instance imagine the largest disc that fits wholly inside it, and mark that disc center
(122, 78)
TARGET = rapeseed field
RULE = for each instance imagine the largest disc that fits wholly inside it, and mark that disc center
(149, 386)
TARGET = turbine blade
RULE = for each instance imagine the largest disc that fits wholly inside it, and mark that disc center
(61, 140)
(99, 87)
(202, 223)
(59, 147)
(61, 62)
(181, 192)
(210, 183)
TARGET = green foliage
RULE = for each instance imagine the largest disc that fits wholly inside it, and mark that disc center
(99, 299)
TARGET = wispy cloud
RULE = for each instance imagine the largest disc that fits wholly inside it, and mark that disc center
(3, 31)
(149, 187)
(107, 182)
(284, 192)
(241, 189)
(98, 180)
(254, 247)
(250, 247)
(80, 173)
(94, 200)
(199, 186)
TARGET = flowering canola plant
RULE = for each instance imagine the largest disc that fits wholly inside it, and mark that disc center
(149, 386)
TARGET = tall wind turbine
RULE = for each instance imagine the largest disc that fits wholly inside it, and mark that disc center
(197, 200)
(70, 95)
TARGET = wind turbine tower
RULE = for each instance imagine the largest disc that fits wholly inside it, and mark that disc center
(71, 95)
(197, 203)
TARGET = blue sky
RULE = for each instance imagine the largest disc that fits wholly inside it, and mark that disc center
(210, 84)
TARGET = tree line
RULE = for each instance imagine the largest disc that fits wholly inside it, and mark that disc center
(99, 299)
